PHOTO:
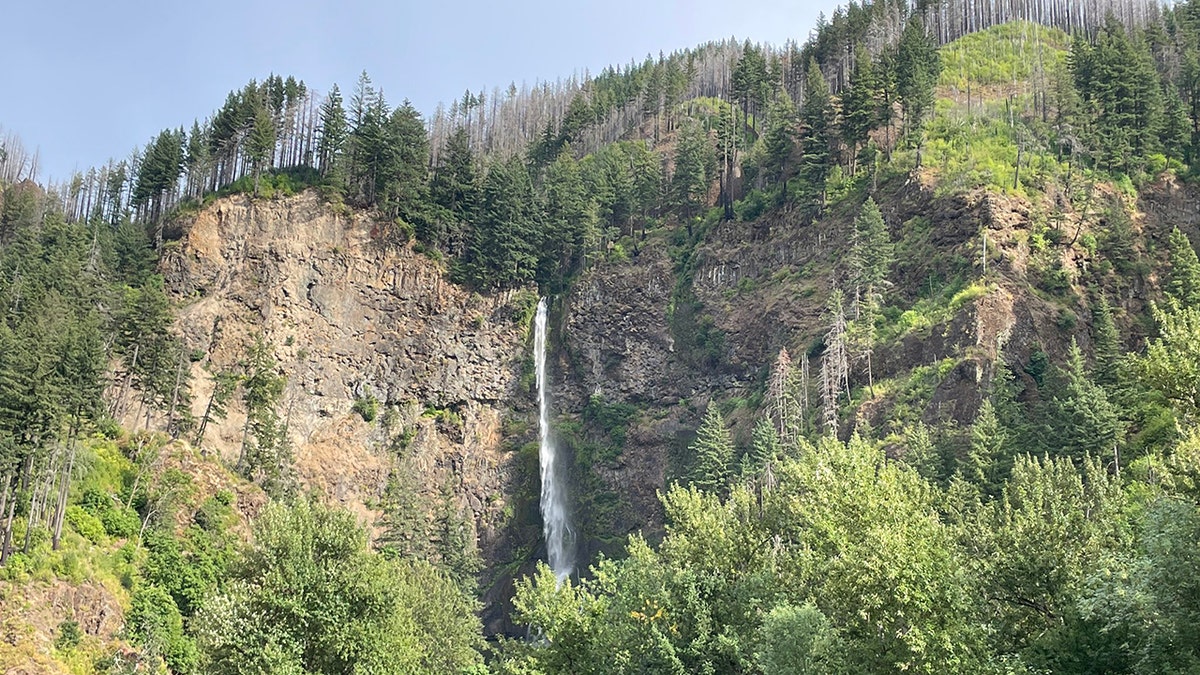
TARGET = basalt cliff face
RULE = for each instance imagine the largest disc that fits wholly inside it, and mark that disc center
(352, 321)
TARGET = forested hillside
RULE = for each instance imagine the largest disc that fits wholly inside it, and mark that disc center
(875, 352)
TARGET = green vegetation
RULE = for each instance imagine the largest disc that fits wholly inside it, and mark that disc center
(1053, 530)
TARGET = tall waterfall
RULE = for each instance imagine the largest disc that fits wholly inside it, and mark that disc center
(560, 539)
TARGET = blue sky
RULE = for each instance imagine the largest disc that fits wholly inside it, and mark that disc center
(86, 80)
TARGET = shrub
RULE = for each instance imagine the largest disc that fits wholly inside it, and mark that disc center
(120, 521)
(88, 526)
(367, 407)
(69, 635)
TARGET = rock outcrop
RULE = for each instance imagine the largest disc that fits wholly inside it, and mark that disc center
(352, 320)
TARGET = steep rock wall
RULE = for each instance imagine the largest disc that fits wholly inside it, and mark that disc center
(350, 319)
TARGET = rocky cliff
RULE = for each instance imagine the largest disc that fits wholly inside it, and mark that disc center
(350, 321)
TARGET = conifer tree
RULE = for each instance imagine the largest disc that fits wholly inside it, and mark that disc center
(835, 366)
(260, 144)
(764, 448)
(712, 452)
(860, 106)
(987, 450)
(1086, 422)
(507, 235)
(570, 219)
(917, 67)
(871, 253)
(454, 192)
(816, 119)
(787, 411)
(780, 142)
(1106, 342)
(333, 134)
(1183, 285)
(695, 163)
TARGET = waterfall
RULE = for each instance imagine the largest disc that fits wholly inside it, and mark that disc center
(559, 537)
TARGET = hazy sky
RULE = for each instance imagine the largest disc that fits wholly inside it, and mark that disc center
(86, 80)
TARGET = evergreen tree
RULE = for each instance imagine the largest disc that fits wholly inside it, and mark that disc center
(260, 144)
(1106, 342)
(860, 106)
(570, 219)
(871, 256)
(835, 363)
(871, 253)
(1183, 284)
(712, 452)
(986, 454)
(401, 176)
(695, 163)
(1086, 421)
(334, 130)
(454, 191)
(780, 142)
(507, 236)
(816, 119)
(917, 67)
(266, 456)
(764, 448)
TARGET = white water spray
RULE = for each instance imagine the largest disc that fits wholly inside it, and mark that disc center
(560, 539)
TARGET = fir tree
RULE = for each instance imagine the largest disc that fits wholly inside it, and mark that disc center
(334, 130)
(987, 450)
(816, 118)
(1106, 342)
(712, 452)
(1183, 285)
(860, 106)
(780, 142)
(764, 448)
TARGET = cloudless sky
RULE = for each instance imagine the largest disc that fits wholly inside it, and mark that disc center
(86, 80)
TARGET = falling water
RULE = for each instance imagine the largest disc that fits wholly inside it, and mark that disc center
(559, 537)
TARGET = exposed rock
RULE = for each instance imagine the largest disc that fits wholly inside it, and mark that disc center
(349, 319)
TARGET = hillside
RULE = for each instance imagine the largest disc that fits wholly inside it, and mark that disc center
(879, 355)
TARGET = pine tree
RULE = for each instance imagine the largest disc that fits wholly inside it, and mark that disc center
(860, 106)
(1183, 285)
(780, 142)
(334, 130)
(764, 448)
(986, 454)
(1106, 342)
(712, 452)
(816, 119)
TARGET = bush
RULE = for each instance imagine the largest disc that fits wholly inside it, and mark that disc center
(154, 621)
(212, 515)
(367, 407)
(751, 206)
(88, 526)
(121, 521)
(69, 636)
